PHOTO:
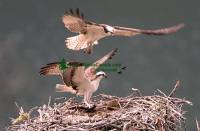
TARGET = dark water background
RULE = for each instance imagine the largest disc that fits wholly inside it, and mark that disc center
(32, 34)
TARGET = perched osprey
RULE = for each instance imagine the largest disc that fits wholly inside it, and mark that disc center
(90, 32)
(77, 78)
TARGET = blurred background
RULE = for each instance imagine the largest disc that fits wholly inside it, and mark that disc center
(32, 34)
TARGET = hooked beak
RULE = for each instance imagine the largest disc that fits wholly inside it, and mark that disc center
(105, 76)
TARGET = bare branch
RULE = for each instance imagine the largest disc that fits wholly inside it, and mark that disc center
(198, 125)
(175, 88)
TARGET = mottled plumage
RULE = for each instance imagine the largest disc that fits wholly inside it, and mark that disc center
(77, 78)
(90, 32)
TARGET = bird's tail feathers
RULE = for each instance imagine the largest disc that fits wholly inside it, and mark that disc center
(64, 88)
(76, 42)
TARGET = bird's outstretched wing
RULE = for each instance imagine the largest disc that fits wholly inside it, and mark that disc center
(74, 21)
(79, 77)
(76, 42)
(57, 68)
(89, 31)
(83, 41)
(123, 31)
(51, 69)
(71, 74)
(90, 71)
(74, 76)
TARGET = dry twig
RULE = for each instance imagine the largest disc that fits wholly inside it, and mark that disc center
(111, 113)
(175, 88)
(198, 126)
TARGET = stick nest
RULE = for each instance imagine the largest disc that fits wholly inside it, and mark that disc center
(112, 113)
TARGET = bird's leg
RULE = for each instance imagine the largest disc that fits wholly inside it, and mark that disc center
(90, 107)
(87, 100)
(89, 48)
(87, 104)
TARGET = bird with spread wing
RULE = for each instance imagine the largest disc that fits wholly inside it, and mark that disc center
(90, 32)
(77, 78)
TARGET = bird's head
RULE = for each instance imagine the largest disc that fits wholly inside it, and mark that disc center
(108, 29)
(101, 74)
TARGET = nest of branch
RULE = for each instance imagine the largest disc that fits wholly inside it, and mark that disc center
(112, 113)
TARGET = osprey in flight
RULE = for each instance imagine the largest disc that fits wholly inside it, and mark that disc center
(90, 32)
(78, 79)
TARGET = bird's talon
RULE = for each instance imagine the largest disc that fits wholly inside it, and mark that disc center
(90, 109)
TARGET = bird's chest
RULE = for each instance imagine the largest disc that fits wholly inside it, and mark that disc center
(85, 88)
(97, 34)
(91, 86)
(95, 86)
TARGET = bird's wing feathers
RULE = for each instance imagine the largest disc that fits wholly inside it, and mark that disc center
(74, 76)
(90, 71)
(76, 42)
(123, 31)
(55, 68)
(51, 69)
(82, 41)
(74, 21)
(79, 76)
